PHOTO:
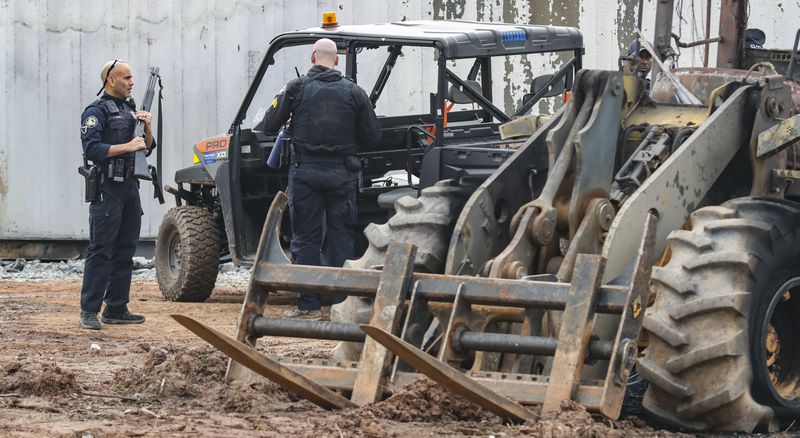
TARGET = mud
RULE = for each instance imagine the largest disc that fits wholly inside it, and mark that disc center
(157, 379)
(172, 372)
(32, 378)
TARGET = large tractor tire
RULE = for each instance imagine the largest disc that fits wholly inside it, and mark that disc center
(427, 222)
(724, 344)
(187, 254)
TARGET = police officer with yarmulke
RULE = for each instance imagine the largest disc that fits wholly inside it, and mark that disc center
(115, 212)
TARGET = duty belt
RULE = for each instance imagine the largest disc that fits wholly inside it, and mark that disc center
(118, 169)
(301, 158)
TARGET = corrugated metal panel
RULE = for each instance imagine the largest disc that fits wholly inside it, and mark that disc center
(208, 52)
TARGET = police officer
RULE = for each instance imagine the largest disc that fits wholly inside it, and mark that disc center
(115, 216)
(330, 118)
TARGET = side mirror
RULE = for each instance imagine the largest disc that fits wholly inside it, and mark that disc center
(455, 95)
(526, 98)
(555, 89)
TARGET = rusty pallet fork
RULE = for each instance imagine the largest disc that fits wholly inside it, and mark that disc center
(402, 313)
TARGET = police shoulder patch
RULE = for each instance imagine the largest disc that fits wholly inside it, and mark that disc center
(88, 124)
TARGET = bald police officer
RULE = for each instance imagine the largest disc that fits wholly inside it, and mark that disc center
(115, 215)
(331, 117)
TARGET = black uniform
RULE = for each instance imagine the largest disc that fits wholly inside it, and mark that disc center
(115, 218)
(331, 118)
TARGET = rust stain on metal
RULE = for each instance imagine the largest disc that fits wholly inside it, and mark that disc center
(636, 308)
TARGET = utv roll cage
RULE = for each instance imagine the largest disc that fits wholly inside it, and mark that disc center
(452, 40)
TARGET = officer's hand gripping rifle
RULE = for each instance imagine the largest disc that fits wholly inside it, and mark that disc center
(143, 170)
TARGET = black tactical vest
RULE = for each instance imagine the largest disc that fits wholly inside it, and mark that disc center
(323, 118)
(120, 122)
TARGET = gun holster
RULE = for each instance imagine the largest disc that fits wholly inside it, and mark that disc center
(352, 163)
(91, 178)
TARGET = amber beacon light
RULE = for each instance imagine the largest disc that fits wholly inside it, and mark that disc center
(329, 19)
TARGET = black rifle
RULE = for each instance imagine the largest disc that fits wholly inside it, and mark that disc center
(141, 169)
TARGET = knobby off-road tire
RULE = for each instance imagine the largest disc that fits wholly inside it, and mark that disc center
(701, 325)
(427, 222)
(187, 254)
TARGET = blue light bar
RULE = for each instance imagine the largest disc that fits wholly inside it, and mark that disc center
(514, 35)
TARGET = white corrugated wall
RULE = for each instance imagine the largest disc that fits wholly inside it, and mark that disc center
(208, 52)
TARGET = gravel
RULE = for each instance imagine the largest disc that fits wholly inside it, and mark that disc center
(21, 270)
(27, 270)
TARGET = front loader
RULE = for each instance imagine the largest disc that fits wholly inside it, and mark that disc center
(664, 240)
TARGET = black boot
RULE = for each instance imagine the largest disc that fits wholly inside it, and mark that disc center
(125, 317)
(89, 320)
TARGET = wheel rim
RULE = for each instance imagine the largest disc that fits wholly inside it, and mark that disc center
(174, 254)
(780, 342)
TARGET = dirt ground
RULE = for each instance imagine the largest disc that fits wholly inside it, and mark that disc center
(157, 379)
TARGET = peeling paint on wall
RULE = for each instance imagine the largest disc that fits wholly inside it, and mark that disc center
(627, 14)
(449, 9)
(555, 13)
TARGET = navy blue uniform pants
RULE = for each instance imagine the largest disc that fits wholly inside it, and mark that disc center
(114, 224)
(321, 192)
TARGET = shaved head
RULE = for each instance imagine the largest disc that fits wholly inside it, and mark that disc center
(325, 53)
(107, 66)
(117, 78)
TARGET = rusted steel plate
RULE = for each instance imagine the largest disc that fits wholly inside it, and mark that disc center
(778, 137)
(575, 331)
(319, 279)
(596, 143)
(450, 378)
(389, 299)
(460, 314)
(328, 373)
(526, 389)
(418, 320)
(625, 347)
(434, 287)
(284, 376)
(256, 298)
(530, 389)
